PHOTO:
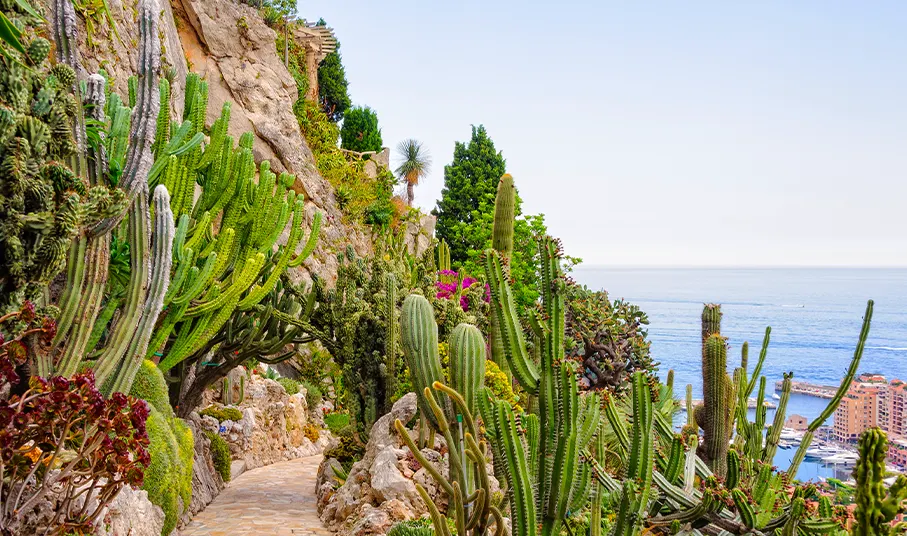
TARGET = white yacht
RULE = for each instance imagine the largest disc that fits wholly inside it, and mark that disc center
(842, 458)
(822, 451)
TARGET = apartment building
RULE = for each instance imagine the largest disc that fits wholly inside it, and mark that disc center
(865, 405)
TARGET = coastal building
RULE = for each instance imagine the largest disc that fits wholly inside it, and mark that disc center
(796, 422)
(897, 408)
(859, 409)
(897, 451)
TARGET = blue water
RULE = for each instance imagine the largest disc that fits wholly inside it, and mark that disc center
(815, 315)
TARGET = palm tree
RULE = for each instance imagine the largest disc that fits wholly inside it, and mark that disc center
(415, 164)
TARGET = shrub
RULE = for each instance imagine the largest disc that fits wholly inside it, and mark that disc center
(500, 386)
(336, 422)
(98, 445)
(360, 130)
(222, 414)
(415, 527)
(312, 432)
(313, 395)
(347, 451)
(168, 480)
(289, 385)
(220, 455)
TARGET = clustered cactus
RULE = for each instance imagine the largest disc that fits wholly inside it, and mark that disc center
(876, 506)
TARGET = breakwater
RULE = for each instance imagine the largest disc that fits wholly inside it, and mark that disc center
(809, 389)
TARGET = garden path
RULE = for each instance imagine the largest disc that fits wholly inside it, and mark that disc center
(277, 499)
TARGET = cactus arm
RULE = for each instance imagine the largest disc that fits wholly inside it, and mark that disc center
(851, 372)
(758, 370)
(311, 241)
(511, 332)
(773, 435)
(160, 279)
(617, 424)
(522, 502)
(716, 414)
(502, 242)
(390, 338)
(675, 463)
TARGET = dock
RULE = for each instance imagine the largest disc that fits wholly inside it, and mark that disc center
(810, 389)
(752, 403)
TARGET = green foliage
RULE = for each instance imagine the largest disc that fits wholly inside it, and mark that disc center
(332, 85)
(168, 479)
(347, 451)
(311, 432)
(336, 422)
(313, 395)
(360, 130)
(361, 198)
(220, 455)
(417, 527)
(608, 338)
(289, 385)
(43, 203)
(466, 215)
(149, 385)
(500, 386)
(222, 414)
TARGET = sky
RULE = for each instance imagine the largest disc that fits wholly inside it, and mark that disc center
(658, 133)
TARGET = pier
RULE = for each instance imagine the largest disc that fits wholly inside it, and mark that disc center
(810, 389)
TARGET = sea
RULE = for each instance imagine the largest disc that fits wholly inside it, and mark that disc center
(815, 315)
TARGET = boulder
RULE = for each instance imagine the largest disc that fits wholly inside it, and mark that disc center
(132, 514)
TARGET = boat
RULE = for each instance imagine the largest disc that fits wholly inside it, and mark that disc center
(775, 396)
(842, 458)
(784, 444)
(791, 435)
(822, 451)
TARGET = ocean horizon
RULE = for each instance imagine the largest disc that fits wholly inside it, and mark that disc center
(815, 314)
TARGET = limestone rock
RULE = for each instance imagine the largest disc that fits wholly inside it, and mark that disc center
(132, 514)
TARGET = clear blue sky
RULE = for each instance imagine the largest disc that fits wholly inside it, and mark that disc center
(659, 133)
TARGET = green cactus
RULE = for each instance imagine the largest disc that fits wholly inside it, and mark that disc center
(876, 506)
(391, 338)
(502, 242)
(549, 479)
(634, 501)
(419, 335)
(44, 204)
(467, 362)
(473, 511)
(715, 415)
(443, 256)
(226, 392)
(409, 528)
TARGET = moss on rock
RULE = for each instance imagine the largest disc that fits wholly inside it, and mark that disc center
(222, 414)
(289, 385)
(220, 454)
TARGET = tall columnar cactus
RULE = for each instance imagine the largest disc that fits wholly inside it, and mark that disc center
(838, 396)
(87, 274)
(634, 501)
(548, 481)
(715, 415)
(467, 362)
(443, 257)
(391, 337)
(876, 506)
(502, 242)
(419, 334)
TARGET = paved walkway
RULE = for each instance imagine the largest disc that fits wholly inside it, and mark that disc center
(277, 500)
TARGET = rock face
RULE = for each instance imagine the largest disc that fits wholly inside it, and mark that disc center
(132, 514)
(272, 427)
(228, 44)
(380, 489)
(206, 481)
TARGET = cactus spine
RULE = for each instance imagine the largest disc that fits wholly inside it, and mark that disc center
(502, 242)
(876, 507)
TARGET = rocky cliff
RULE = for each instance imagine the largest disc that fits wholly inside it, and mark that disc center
(228, 44)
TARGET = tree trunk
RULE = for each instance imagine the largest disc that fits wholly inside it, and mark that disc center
(191, 399)
(410, 193)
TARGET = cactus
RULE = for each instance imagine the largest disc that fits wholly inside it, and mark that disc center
(226, 392)
(634, 501)
(44, 204)
(715, 416)
(467, 362)
(443, 257)
(405, 528)
(711, 322)
(391, 337)
(876, 506)
(419, 334)
(473, 512)
(548, 479)
(502, 242)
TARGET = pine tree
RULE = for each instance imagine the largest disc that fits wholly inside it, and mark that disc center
(332, 84)
(466, 208)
